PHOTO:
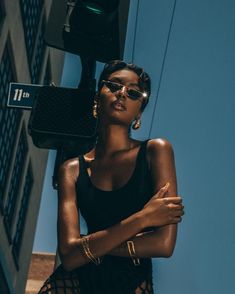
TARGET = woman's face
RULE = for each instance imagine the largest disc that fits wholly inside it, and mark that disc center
(117, 106)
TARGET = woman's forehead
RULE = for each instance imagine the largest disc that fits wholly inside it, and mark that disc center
(125, 75)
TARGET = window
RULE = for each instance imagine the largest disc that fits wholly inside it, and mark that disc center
(2, 13)
(47, 78)
(39, 54)
(23, 213)
(3, 282)
(9, 121)
(31, 13)
(16, 176)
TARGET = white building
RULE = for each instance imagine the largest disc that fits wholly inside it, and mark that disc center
(23, 58)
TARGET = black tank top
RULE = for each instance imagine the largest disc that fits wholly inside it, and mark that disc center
(102, 209)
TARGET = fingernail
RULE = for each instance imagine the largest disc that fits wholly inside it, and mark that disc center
(167, 185)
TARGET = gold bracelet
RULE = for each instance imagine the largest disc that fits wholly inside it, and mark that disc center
(86, 248)
(87, 251)
(131, 250)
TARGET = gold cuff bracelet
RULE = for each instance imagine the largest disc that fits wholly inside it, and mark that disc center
(87, 251)
(131, 250)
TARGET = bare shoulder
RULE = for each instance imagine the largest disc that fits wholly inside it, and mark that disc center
(69, 168)
(159, 150)
(159, 144)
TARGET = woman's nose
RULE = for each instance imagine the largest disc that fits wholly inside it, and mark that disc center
(122, 92)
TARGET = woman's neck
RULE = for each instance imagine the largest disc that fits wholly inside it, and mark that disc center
(111, 139)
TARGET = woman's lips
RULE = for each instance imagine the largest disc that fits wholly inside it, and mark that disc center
(118, 105)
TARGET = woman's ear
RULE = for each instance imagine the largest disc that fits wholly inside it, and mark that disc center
(137, 122)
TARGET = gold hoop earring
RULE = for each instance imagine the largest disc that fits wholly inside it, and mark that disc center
(94, 109)
(136, 124)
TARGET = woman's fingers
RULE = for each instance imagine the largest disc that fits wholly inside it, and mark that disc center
(174, 200)
(162, 191)
(177, 219)
(178, 206)
(177, 210)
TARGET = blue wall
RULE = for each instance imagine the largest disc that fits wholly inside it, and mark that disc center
(194, 86)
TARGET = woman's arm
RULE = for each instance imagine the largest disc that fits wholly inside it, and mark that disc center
(101, 242)
(69, 239)
(161, 242)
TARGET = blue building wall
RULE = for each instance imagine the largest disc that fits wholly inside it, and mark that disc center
(193, 83)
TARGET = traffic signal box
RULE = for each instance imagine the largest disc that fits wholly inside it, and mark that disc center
(61, 118)
(95, 29)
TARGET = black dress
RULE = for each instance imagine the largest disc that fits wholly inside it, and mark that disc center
(102, 209)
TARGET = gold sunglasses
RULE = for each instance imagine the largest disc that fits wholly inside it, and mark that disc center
(131, 93)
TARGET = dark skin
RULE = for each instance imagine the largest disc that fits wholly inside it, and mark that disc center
(116, 149)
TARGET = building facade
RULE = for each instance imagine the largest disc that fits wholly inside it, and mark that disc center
(24, 58)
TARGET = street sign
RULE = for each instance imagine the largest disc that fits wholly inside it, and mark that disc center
(22, 95)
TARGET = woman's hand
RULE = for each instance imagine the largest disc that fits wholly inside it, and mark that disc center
(161, 210)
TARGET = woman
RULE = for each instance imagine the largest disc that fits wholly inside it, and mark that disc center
(126, 191)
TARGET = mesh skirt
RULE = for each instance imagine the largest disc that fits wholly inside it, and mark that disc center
(115, 275)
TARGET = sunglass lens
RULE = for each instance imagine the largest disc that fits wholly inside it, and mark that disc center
(133, 94)
(113, 87)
